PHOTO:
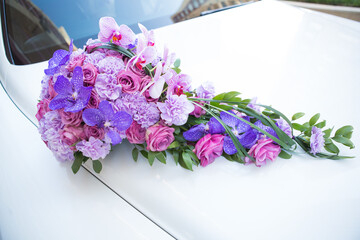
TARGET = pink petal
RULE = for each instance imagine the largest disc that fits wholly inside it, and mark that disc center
(127, 35)
(107, 26)
(157, 88)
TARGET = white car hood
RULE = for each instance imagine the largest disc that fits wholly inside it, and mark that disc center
(296, 60)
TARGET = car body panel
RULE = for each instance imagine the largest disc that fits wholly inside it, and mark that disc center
(296, 60)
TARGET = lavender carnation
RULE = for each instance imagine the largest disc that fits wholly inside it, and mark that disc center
(317, 140)
(94, 148)
(144, 113)
(111, 65)
(175, 110)
(61, 151)
(49, 127)
(284, 126)
(94, 58)
(45, 87)
(206, 90)
(107, 86)
(51, 120)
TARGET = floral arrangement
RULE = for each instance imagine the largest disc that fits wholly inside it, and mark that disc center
(120, 86)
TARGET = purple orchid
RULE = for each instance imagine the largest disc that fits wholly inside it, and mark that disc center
(106, 118)
(246, 135)
(72, 95)
(198, 131)
(60, 57)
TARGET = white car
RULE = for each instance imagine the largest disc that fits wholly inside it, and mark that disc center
(292, 58)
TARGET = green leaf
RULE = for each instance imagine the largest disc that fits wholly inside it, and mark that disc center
(321, 124)
(327, 132)
(135, 154)
(332, 157)
(231, 95)
(299, 127)
(219, 96)
(343, 140)
(177, 63)
(187, 160)
(77, 162)
(161, 157)
(176, 156)
(177, 70)
(332, 148)
(345, 130)
(177, 130)
(348, 135)
(174, 144)
(144, 153)
(306, 125)
(151, 157)
(97, 166)
(285, 155)
(314, 119)
(297, 116)
(193, 157)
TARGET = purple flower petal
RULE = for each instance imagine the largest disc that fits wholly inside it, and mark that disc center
(58, 56)
(229, 147)
(92, 117)
(228, 119)
(242, 126)
(249, 138)
(106, 108)
(195, 133)
(77, 78)
(121, 120)
(51, 71)
(215, 126)
(114, 136)
(266, 128)
(63, 86)
(60, 101)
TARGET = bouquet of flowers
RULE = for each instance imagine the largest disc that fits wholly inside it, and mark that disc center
(120, 86)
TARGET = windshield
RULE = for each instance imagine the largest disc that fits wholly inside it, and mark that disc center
(33, 30)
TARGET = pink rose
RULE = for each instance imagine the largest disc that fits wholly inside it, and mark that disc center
(159, 137)
(90, 73)
(198, 111)
(263, 150)
(52, 92)
(94, 131)
(43, 107)
(135, 133)
(70, 118)
(75, 61)
(94, 100)
(144, 83)
(70, 135)
(208, 148)
(129, 81)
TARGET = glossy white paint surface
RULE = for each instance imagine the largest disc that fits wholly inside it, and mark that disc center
(296, 60)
